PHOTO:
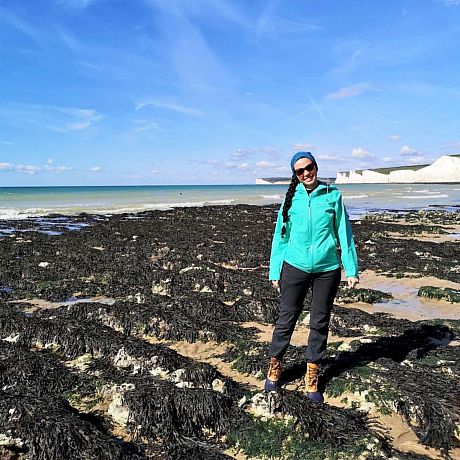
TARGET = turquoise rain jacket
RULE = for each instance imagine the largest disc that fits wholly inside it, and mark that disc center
(317, 223)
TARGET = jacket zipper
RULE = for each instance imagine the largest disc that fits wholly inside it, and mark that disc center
(310, 249)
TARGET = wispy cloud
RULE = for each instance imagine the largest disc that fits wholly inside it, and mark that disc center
(349, 91)
(449, 2)
(54, 118)
(69, 39)
(196, 66)
(211, 9)
(146, 125)
(21, 25)
(241, 154)
(394, 137)
(85, 118)
(170, 106)
(454, 146)
(314, 106)
(278, 25)
(352, 56)
(95, 169)
(79, 4)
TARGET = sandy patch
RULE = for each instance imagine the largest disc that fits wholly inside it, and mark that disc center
(41, 304)
(406, 303)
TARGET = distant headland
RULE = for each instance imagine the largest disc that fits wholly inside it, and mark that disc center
(445, 169)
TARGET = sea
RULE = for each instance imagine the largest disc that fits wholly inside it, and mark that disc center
(25, 202)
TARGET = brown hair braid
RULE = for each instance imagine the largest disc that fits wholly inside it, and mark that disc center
(288, 201)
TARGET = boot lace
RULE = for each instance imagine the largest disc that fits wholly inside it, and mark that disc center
(275, 369)
(312, 375)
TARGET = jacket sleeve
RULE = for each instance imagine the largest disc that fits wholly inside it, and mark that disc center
(347, 243)
(279, 246)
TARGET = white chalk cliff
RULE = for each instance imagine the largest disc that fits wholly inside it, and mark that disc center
(445, 169)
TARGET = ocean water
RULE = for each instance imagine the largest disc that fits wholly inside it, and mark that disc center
(23, 202)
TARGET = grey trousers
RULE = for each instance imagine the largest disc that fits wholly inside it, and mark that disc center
(294, 285)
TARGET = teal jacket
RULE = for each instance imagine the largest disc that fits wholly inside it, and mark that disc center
(317, 223)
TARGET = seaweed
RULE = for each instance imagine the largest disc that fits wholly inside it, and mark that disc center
(447, 294)
(43, 428)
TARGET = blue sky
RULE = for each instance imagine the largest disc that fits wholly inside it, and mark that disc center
(223, 91)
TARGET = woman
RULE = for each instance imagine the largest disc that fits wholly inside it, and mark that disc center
(311, 222)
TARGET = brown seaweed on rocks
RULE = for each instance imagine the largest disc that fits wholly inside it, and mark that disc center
(352, 322)
(203, 319)
(199, 285)
(410, 389)
(177, 417)
(43, 428)
(40, 373)
(76, 338)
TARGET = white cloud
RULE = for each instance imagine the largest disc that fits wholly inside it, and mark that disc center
(394, 137)
(96, 169)
(27, 169)
(359, 152)
(62, 169)
(407, 150)
(237, 165)
(327, 157)
(50, 161)
(388, 159)
(155, 172)
(349, 91)
(284, 168)
(302, 147)
(35, 169)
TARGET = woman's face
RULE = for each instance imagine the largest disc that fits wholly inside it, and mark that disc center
(306, 172)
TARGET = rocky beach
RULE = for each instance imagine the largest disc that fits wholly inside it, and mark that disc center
(137, 336)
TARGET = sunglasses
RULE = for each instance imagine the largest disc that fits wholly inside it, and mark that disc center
(310, 167)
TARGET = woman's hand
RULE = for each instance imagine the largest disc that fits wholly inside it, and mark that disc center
(276, 285)
(352, 282)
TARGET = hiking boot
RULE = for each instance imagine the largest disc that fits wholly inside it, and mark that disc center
(273, 376)
(311, 383)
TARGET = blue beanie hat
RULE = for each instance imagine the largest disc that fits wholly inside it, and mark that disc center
(299, 155)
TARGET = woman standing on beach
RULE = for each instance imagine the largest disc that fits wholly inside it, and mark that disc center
(311, 221)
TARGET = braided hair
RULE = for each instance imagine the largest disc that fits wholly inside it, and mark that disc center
(288, 201)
